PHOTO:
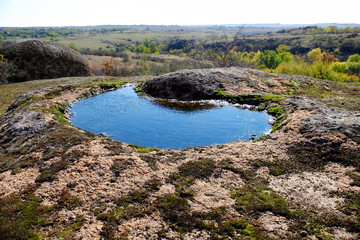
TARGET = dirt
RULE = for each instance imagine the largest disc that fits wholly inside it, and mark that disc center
(102, 189)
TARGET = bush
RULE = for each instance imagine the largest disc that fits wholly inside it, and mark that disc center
(269, 59)
(354, 67)
(314, 54)
(320, 70)
(353, 63)
(117, 68)
(328, 58)
(294, 67)
(354, 58)
(340, 67)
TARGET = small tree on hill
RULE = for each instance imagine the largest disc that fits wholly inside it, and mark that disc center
(224, 55)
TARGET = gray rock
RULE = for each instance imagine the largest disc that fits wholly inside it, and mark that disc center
(36, 59)
(183, 85)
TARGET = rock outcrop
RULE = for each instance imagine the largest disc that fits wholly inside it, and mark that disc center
(299, 182)
(183, 85)
(36, 59)
(202, 83)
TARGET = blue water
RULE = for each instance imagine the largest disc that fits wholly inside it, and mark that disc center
(126, 117)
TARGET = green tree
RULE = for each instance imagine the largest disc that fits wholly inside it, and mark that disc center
(314, 54)
(146, 42)
(330, 29)
(340, 67)
(269, 59)
(153, 48)
(282, 48)
(141, 49)
(353, 63)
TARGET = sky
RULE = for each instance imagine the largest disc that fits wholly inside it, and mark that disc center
(30, 13)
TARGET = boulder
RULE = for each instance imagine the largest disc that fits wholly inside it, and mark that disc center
(37, 59)
(183, 85)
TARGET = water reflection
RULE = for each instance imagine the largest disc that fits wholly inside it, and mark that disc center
(126, 117)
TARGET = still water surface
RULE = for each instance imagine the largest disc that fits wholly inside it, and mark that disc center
(126, 117)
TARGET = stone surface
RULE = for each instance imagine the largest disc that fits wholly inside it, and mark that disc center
(100, 171)
(37, 59)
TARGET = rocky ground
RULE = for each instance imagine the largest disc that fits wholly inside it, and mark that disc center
(301, 181)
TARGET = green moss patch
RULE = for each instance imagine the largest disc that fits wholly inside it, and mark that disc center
(21, 219)
(275, 111)
(203, 168)
(107, 85)
(255, 198)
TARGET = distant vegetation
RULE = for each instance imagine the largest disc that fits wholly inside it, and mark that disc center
(327, 52)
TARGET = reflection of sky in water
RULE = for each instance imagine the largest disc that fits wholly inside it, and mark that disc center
(131, 119)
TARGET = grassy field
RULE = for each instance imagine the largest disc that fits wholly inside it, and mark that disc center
(128, 38)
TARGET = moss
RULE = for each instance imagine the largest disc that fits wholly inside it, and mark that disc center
(110, 85)
(68, 200)
(69, 231)
(272, 98)
(261, 138)
(114, 216)
(141, 149)
(53, 93)
(57, 144)
(134, 204)
(176, 210)
(253, 198)
(19, 218)
(59, 112)
(151, 161)
(306, 158)
(220, 92)
(352, 209)
(276, 167)
(120, 165)
(355, 177)
(203, 168)
(276, 124)
(138, 89)
(242, 226)
(248, 99)
(275, 111)
(228, 165)
(218, 213)
(135, 196)
(182, 185)
(190, 171)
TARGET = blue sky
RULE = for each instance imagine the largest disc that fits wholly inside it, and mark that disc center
(180, 12)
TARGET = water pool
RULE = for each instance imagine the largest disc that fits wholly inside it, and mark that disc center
(127, 117)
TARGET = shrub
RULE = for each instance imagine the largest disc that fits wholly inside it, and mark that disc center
(353, 63)
(354, 58)
(299, 67)
(314, 54)
(328, 58)
(269, 59)
(340, 67)
(320, 70)
(117, 68)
